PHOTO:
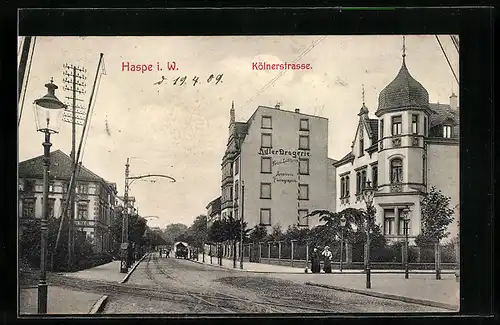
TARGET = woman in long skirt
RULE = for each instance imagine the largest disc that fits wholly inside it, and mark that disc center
(315, 261)
(327, 255)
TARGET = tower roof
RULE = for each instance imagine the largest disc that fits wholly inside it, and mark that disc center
(404, 91)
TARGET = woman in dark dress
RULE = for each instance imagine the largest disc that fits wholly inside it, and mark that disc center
(315, 261)
(327, 255)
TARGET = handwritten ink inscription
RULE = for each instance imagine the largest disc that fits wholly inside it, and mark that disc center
(180, 81)
(134, 67)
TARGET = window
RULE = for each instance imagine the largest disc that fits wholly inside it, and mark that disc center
(83, 211)
(83, 188)
(236, 215)
(266, 140)
(51, 186)
(52, 203)
(381, 129)
(304, 124)
(29, 208)
(265, 190)
(230, 192)
(303, 192)
(267, 122)
(304, 166)
(414, 123)
(358, 183)
(396, 170)
(389, 222)
(63, 203)
(447, 131)
(396, 125)
(342, 187)
(265, 217)
(236, 189)
(236, 166)
(65, 187)
(348, 186)
(363, 179)
(402, 225)
(303, 221)
(425, 126)
(29, 186)
(265, 165)
(361, 147)
(375, 176)
(304, 142)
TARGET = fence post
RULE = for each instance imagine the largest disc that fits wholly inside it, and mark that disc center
(260, 252)
(269, 253)
(457, 252)
(279, 250)
(437, 251)
(291, 252)
(348, 253)
(307, 258)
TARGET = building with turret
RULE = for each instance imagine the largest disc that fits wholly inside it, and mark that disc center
(408, 147)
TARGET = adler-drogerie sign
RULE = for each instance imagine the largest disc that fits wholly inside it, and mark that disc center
(284, 152)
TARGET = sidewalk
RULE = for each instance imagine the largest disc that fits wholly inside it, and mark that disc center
(60, 301)
(109, 272)
(419, 288)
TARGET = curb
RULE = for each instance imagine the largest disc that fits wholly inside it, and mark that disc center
(240, 270)
(423, 302)
(99, 305)
(125, 279)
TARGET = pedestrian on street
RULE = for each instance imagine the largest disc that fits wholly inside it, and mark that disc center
(315, 261)
(327, 255)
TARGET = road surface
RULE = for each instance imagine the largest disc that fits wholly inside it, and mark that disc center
(169, 285)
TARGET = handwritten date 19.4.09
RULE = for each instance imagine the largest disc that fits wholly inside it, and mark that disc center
(179, 81)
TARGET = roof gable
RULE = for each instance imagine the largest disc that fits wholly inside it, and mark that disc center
(60, 168)
(442, 113)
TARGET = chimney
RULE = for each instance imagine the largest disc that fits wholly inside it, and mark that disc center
(297, 110)
(453, 101)
(278, 105)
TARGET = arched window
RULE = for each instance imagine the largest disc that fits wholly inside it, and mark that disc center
(396, 170)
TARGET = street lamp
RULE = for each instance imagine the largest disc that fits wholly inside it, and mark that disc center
(48, 111)
(342, 224)
(368, 194)
(406, 216)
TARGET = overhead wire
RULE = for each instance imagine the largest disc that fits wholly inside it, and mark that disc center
(447, 60)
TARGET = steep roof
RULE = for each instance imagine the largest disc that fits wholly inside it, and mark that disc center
(60, 168)
(441, 113)
(372, 126)
(403, 91)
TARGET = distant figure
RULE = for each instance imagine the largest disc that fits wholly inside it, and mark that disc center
(315, 261)
(327, 255)
(168, 253)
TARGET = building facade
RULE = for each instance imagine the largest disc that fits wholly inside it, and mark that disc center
(409, 147)
(94, 204)
(279, 159)
(213, 211)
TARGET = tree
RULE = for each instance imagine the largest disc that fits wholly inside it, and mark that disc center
(276, 234)
(258, 234)
(172, 231)
(198, 231)
(354, 229)
(216, 232)
(295, 233)
(436, 216)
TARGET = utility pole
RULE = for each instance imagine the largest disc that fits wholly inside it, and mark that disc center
(124, 247)
(22, 64)
(74, 82)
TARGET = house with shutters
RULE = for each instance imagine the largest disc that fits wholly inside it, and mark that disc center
(409, 146)
(94, 204)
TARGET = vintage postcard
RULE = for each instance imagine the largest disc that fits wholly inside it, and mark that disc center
(238, 174)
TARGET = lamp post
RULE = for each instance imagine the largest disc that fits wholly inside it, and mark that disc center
(47, 112)
(368, 194)
(342, 224)
(406, 213)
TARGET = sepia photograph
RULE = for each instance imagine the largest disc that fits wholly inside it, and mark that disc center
(178, 175)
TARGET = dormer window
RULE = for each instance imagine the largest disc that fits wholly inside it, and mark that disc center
(447, 131)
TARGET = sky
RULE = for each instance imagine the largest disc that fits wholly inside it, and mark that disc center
(181, 131)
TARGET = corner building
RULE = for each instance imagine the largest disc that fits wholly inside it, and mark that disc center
(409, 147)
(281, 158)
